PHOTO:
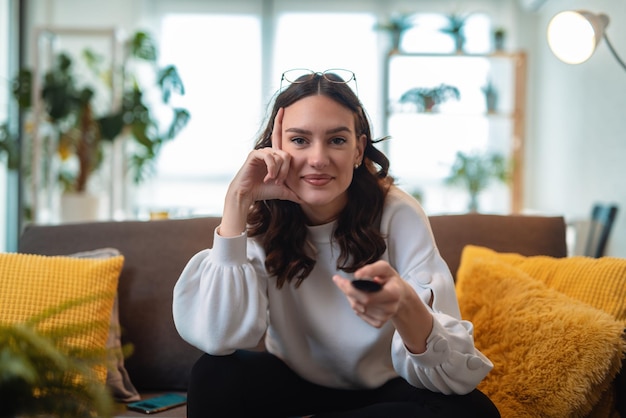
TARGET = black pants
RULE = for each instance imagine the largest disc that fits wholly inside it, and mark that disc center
(258, 384)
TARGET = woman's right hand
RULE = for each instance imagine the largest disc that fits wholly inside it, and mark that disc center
(262, 177)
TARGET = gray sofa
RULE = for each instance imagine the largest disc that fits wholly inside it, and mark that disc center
(156, 251)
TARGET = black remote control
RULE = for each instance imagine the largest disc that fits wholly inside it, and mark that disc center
(367, 285)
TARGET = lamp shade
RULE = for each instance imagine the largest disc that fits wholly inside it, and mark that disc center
(574, 35)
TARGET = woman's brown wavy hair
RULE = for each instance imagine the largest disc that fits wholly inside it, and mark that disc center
(281, 225)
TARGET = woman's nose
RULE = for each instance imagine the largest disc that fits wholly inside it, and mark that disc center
(318, 156)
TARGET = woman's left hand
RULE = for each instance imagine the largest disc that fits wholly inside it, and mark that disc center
(397, 301)
(376, 308)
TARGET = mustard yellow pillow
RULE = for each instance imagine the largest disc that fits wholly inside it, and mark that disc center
(31, 284)
(599, 282)
(553, 355)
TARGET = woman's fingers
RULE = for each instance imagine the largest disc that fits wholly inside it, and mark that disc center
(273, 162)
(374, 308)
(277, 132)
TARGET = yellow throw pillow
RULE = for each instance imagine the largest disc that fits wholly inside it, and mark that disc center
(599, 282)
(553, 355)
(31, 284)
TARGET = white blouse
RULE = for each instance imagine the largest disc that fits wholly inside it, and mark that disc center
(225, 300)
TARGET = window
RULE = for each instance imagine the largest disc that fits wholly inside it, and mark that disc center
(231, 57)
(347, 41)
(220, 57)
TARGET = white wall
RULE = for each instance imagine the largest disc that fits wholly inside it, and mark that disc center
(576, 144)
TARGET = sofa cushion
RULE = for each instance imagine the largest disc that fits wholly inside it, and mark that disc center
(553, 355)
(118, 380)
(32, 285)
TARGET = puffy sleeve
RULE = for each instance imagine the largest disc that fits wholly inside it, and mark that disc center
(451, 363)
(220, 300)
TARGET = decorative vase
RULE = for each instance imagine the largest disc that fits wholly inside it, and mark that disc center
(80, 207)
(396, 39)
(491, 100)
(459, 43)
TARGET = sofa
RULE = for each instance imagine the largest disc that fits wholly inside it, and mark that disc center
(155, 253)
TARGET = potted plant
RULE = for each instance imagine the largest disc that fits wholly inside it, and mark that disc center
(427, 98)
(499, 35)
(491, 96)
(82, 134)
(454, 28)
(396, 25)
(475, 171)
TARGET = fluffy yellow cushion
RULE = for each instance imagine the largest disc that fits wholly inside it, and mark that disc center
(553, 355)
(599, 282)
(31, 284)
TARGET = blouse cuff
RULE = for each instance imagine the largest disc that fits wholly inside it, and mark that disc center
(437, 347)
(229, 250)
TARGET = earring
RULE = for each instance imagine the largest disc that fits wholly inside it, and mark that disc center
(356, 165)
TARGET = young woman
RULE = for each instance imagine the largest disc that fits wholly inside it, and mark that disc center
(312, 209)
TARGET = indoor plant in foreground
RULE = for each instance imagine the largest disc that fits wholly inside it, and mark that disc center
(42, 376)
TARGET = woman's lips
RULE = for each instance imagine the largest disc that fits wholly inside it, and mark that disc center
(317, 179)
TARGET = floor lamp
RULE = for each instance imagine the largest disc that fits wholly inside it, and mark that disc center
(574, 35)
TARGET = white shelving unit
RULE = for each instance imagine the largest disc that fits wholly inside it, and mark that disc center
(424, 144)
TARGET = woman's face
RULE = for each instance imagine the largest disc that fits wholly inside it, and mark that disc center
(320, 136)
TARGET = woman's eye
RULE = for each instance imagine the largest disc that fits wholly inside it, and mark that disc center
(298, 141)
(338, 141)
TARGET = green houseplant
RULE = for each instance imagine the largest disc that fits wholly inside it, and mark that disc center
(8, 147)
(41, 376)
(82, 134)
(426, 99)
(454, 28)
(474, 171)
(396, 25)
(499, 36)
(491, 96)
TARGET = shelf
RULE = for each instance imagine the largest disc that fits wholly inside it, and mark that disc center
(424, 136)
